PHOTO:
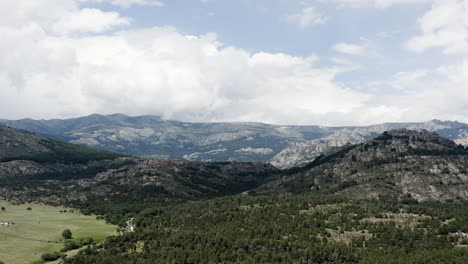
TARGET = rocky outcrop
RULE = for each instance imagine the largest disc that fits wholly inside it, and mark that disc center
(402, 164)
(153, 137)
(303, 153)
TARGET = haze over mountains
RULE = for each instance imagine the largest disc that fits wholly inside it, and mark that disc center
(284, 146)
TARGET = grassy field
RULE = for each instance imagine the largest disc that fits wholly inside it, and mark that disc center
(43, 223)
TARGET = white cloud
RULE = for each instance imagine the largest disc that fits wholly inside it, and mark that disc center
(425, 94)
(55, 16)
(128, 3)
(445, 26)
(348, 48)
(88, 20)
(306, 17)
(376, 3)
(48, 72)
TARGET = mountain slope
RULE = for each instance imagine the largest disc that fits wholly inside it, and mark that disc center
(22, 145)
(36, 168)
(303, 153)
(153, 137)
(401, 164)
(150, 136)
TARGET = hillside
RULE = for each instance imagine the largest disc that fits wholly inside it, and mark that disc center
(34, 168)
(153, 137)
(22, 145)
(302, 153)
(290, 229)
(402, 164)
(299, 154)
(400, 196)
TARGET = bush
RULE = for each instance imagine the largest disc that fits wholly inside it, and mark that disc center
(67, 234)
(51, 256)
(86, 241)
(71, 244)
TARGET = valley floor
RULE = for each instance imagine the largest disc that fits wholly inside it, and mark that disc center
(39, 230)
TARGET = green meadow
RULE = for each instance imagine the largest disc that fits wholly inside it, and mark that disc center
(19, 242)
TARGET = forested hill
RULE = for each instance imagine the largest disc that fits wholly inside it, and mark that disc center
(400, 164)
(290, 229)
(22, 145)
(34, 168)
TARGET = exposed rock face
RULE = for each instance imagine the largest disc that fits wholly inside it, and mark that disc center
(303, 153)
(21, 168)
(152, 137)
(401, 163)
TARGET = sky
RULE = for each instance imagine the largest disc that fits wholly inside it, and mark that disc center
(295, 62)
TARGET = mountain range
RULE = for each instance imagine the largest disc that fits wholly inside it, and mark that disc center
(152, 137)
(401, 196)
(423, 166)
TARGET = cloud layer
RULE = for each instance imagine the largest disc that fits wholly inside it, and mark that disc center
(446, 26)
(154, 71)
(59, 59)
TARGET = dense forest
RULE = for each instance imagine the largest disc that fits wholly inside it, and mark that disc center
(290, 229)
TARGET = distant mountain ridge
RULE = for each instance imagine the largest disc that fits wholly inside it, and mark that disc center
(152, 137)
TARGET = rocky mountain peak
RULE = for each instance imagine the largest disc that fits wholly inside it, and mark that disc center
(398, 163)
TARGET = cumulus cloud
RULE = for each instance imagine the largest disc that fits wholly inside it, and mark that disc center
(51, 68)
(45, 73)
(128, 3)
(308, 16)
(348, 48)
(376, 3)
(444, 26)
(55, 17)
(88, 21)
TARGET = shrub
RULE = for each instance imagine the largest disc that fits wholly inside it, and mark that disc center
(70, 244)
(67, 234)
(86, 241)
(51, 256)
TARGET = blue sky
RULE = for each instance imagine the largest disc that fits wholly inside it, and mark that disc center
(328, 62)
